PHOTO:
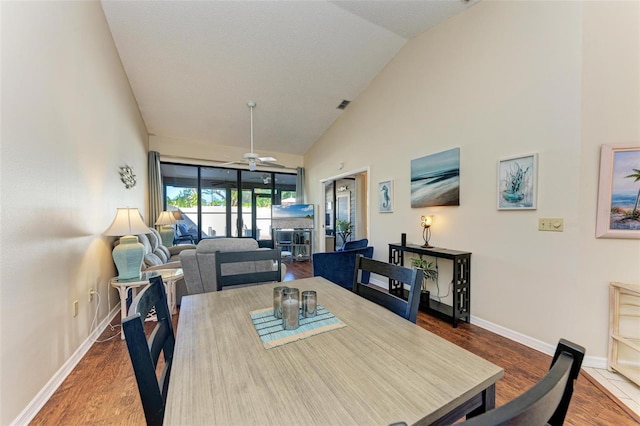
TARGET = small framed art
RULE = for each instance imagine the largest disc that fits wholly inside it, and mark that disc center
(385, 192)
(517, 182)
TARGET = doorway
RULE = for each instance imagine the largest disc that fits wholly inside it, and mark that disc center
(345, 209)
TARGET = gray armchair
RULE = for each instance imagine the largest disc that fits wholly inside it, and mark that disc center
(199, 264)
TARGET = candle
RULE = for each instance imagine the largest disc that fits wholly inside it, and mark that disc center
(309, 303)
(290, 313)
(277, 301)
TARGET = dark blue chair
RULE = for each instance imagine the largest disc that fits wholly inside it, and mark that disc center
(351, 245)
(412, 277)
(339, 266)
(145, 353)
(547, 402)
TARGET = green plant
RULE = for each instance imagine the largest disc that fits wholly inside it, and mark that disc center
(429, 270)
(343, 225)
(515, 178)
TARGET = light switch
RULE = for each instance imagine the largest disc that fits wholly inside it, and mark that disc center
(551, 224)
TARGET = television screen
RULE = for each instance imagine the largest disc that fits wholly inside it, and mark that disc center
(292, 216)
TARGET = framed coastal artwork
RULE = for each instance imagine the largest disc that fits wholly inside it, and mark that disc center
(435, 179)
(517, 182)
(385, 192)
(618, 214)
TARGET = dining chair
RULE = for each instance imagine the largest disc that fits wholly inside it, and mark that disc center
(548, 400)
(145, 353)
(247, 273)
(411, 277)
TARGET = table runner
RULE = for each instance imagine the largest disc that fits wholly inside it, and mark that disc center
(272, 334)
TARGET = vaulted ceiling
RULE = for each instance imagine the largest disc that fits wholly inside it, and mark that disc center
(194, 65)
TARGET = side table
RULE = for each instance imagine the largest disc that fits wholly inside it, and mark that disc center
(461, 308)
(169, 278)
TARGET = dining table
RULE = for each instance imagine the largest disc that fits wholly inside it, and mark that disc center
(372, 367)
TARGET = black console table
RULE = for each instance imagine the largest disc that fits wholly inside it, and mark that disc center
(461, 309)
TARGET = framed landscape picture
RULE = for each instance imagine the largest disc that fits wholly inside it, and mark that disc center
(517, 182)
(385, 193)
(618, 214)
(435, 179)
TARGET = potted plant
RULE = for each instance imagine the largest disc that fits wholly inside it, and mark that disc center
(343, 228)
(429, 273)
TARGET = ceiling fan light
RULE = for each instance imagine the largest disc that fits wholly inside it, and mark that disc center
(252, 165)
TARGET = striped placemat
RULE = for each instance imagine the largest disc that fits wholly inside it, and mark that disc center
(272, 334)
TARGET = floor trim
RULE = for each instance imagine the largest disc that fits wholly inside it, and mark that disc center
(36, 404)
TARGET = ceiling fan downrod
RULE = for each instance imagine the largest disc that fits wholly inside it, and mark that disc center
(251, 106)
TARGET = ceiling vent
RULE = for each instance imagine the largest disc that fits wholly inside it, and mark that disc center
(344, 104)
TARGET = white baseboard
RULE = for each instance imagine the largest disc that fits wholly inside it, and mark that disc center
(547, 348)
(36, 404)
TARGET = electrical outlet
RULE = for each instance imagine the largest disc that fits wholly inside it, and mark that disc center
(75, 308)
(91, 295)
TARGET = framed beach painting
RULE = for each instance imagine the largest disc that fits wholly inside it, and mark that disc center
(435, 179)
(385, 192)
(618, 214)
(517, 182)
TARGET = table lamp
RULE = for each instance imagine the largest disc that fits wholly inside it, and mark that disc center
(166, 220)
(129, 253)
(426, 222)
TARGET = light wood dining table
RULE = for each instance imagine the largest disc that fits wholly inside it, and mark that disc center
(377, 370)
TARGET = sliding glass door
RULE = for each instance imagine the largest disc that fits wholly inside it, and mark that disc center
(212, 206)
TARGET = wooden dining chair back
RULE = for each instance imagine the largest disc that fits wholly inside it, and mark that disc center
(145, 353)
(254, 266)
(411, 277)
(548, 400)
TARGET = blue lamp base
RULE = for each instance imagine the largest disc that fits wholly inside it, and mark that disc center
(128, 257)
(167, 233)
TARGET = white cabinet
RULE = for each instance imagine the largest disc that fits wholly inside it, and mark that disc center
(295, 244)
(624, 330)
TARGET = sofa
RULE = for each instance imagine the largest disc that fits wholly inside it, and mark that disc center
(157, 256)
(199, 264)
(339, 266)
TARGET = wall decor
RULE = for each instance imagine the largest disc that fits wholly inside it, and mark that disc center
(127, 177)
(517, 182)
(618, 214)
(435, 179)
(385, 192)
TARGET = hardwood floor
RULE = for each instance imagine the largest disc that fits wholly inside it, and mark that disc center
(102, 390)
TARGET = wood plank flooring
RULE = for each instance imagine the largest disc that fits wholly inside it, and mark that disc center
(101, 390)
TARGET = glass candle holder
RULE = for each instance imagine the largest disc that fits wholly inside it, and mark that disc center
(277, 301)
(290, 308)
(309, 303)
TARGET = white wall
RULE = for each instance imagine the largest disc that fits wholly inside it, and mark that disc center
(69, 121)
(202, 152)
(504, 79)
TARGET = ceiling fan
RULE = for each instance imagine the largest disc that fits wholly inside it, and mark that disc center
(252, 158)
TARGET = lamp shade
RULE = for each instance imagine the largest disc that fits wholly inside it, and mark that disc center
(166, 218)
(127, 222)
(426, 221)
(177, 214)
(129, 253)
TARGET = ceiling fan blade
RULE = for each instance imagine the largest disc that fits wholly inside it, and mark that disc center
(267, 159)
(231, 162)
(270, 164)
